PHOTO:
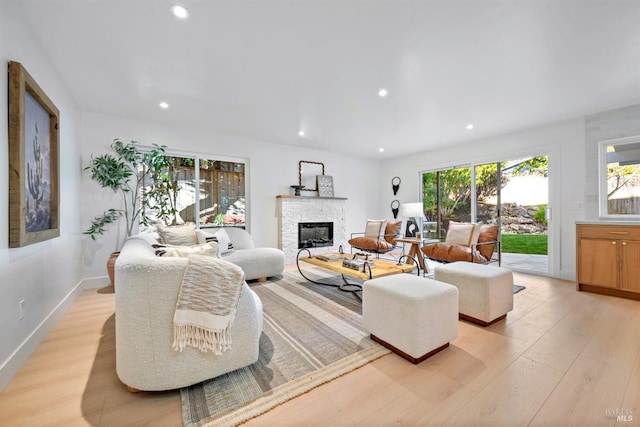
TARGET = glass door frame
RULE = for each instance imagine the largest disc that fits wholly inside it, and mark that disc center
(553, 217)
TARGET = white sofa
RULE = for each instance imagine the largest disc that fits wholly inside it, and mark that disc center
(146, 294)
(257, 263)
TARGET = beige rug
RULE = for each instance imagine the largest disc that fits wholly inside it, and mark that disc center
(312, 334)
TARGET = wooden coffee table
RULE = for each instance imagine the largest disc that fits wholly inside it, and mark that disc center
(381, 268)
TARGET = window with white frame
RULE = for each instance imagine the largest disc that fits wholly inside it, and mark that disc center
(620, 177)
(206, 191)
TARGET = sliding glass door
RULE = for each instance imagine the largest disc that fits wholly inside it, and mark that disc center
(510, 194)
(524, 207)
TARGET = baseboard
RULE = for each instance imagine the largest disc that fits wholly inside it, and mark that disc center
(19, 357)
(568, 275)
(96, 282)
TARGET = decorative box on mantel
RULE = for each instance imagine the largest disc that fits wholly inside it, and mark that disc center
(292, 210)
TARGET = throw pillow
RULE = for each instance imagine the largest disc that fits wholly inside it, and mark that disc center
(220, 236)
(207, 249)
(460, 233)
(179, 235)
(476, 233)
(374, 228)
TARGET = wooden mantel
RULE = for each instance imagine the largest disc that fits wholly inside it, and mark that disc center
(286, 196)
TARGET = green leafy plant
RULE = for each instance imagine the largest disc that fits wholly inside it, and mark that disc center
(540, 214)
(135, 174)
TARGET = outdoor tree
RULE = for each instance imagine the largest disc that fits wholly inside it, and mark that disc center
(454, 185)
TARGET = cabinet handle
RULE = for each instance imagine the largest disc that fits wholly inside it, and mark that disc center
(613, 243)
(624, 243)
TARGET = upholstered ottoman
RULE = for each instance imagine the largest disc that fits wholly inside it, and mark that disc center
(413, 316)
(486, 291)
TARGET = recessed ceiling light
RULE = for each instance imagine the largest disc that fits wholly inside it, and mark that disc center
(382, 93)
(179, 11)
(469, 126)
(381, 150)
(164, 105)
(301, 133)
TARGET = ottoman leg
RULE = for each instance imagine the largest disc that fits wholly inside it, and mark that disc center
(481, 322)
(411, 359)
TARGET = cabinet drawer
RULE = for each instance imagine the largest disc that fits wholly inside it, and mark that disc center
(622, 232)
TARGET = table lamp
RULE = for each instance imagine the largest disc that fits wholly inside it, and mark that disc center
(413, 210)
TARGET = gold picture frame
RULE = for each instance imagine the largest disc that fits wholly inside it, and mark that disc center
(34, 192)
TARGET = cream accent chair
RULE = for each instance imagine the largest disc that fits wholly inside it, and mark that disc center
(146, 294)
(257, 263)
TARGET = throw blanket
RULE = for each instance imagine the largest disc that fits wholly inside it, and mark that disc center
(207, 304)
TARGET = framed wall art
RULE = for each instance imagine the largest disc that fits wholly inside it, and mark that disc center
(34, 212)
(325, 185)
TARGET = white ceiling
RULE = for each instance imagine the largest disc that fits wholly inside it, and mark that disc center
(265, 69)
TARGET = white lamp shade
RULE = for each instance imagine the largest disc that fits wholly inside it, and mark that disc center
(412, 210)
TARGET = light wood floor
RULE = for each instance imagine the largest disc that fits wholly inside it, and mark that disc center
(560, 358)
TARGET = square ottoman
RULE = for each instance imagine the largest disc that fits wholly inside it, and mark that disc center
(413, 316)
(486, 291)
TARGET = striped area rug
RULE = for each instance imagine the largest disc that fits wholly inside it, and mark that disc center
(312, 334)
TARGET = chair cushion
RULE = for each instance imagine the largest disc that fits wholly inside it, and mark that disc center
(374, 228)
(220, 236)
(371, 244)
(206, 249)
(452, 252)
(488, 233)
(179, 235)
(392, 230)
(460, 233)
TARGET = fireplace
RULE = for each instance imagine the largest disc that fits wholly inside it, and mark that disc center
(315, 234)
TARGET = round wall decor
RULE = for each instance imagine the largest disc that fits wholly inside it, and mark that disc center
(395, 205)
(395, 184)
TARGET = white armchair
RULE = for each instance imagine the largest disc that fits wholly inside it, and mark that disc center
(146, 297)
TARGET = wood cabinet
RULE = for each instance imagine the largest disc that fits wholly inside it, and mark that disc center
(608, 259)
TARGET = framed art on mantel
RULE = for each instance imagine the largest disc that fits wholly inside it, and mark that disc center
(325, 185)
(33, 161)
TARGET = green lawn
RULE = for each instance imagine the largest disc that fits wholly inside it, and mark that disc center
(524, 244)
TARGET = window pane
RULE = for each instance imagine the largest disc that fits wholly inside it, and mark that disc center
(486, 193)
(623, 179)
(222, 193)
(455, 195)
(447, 197)
(220, 190)
(430, 202)
(174, 185)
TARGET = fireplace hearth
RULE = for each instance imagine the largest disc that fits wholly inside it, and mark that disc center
(315, 234)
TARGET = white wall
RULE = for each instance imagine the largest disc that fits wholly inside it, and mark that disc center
(272, 169)
(564, 142)
(47, 274)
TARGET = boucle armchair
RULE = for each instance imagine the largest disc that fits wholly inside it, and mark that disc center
(257, 263)
(146, 297)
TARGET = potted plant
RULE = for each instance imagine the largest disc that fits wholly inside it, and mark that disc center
(133, 173)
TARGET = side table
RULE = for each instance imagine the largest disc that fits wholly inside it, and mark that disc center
(415, 252)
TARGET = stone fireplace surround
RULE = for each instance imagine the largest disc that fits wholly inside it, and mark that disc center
(294, 209)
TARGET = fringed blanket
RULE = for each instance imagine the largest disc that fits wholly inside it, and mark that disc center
(207, 304)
